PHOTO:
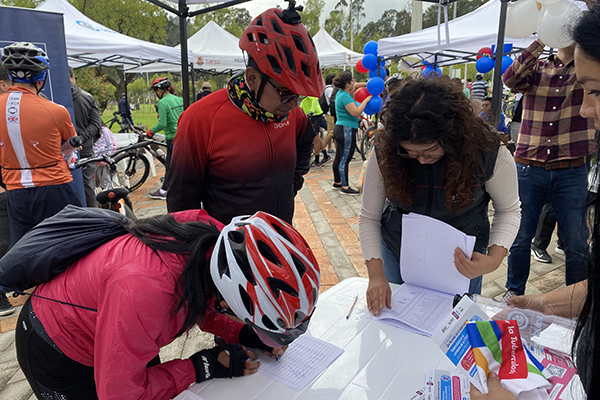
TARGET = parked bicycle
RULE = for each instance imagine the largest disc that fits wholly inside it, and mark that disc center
(364, 136)
(124, 124)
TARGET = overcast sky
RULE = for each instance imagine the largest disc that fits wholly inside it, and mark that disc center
(373, 8)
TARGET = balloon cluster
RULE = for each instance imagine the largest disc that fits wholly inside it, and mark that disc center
(486, 59)
(551, 19)
(428, 71)
(371, 63)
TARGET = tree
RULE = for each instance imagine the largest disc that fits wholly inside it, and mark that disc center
(94, 82)
(23, 3)
(312, 14)
(462, 7)
(334, 25)
(233, 20)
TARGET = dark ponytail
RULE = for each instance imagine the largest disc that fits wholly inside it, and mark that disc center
(191, 239)
(342, 80)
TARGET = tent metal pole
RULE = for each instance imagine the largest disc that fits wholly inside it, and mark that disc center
(185, 77)
(193, 82)
(498, 87)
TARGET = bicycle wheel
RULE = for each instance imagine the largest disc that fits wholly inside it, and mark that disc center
(367, 142)
(133, 171)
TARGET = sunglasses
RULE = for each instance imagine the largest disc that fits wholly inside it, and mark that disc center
(285, 98)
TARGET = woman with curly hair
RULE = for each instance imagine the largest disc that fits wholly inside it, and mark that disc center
(437, 158)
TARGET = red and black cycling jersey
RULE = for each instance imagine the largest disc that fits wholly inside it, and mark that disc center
(232, 164)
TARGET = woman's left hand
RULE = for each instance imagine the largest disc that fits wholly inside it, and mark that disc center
(479, 264)
(276, 352)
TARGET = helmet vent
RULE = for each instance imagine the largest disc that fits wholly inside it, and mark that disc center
(281, 323)
(277, 286)
(275, 66)
(299, 44)
(276, 27)
(299, 317)
(262, 38)
(289, 57)
(281, 232)
(242, 261)
(299, 265)
(267, 253)
(236, 236)
(250, 37)
(222, 261)
(306, 69)
(259, 21)
(246, 300)
(268, 323)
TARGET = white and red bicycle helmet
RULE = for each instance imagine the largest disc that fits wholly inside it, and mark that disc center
(267, 274)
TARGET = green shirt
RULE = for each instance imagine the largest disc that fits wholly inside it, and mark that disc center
(169, 109)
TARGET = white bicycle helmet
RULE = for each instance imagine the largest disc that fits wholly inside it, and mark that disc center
(267, 274)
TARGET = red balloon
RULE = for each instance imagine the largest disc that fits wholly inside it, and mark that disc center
(360, 68)
(361, 94)
(484, 50)
(423, 67)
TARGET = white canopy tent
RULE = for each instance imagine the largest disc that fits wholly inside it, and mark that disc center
(91, 44)
(332, 53)
(467, 34)
(214, 50)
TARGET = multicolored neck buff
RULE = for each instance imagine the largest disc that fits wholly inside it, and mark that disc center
(244, 99)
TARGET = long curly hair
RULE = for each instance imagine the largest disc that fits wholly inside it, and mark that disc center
(425, 111)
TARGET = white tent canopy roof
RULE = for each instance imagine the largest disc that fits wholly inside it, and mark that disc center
(332, 53)
(467, 34)
(214, 50)
(90, 43)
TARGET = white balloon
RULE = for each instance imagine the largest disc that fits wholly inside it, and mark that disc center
(522, 19)
(556, 22)
(548, 1)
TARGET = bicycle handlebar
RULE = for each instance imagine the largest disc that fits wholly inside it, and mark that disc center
(143, 141)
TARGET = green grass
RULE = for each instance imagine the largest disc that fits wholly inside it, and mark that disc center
(146, 116)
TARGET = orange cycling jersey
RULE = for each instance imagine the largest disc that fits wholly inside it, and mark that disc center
(31, 133)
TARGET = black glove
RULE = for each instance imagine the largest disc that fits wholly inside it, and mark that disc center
(208, 366)
(249, 338)
(76, 141)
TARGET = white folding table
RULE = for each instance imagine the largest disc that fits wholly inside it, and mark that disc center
(379, 361)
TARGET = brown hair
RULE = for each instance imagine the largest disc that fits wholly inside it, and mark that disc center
(342, 80)
(425, 111)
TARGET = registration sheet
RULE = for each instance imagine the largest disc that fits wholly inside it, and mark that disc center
(302, 362)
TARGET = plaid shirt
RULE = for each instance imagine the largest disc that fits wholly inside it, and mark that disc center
(551, 127)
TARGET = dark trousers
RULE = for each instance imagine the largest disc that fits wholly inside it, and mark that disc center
(88, 173)
(345, 143)
(4, 224)
(30, 206)
(545, 227)
(165, 185)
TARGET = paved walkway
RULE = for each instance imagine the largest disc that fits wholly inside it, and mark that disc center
(328, 221)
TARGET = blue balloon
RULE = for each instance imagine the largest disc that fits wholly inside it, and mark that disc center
(382, 73)
(369, 61)
(438, 72)
(507, 48)
(374, 105)
(484, 65)
(375, 86)
(370, 48)
(428, 71)
(506, 62)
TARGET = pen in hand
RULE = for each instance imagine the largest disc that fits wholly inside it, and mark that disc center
(352, 307)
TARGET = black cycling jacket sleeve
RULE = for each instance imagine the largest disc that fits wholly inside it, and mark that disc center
(304, 149)
(94, 125)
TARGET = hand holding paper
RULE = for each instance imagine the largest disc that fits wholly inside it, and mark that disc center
(479, 264)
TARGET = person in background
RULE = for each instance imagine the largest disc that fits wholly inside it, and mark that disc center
(125, 110)
(467, 91)
(479, 89)
(153, 284)
(346, 126)
(469, 84)
(329, 116)
(206, 90)
(435, 157)
(6, 308)
(310, 106)
(88, 126)
(169, 109)
(553, 144)
(485, 115)
(246, 148)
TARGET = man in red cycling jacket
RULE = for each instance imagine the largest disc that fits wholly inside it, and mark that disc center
(245, 148)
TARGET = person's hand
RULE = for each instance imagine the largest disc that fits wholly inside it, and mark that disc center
(495, 390)
(369, 97)
(224, 361)
(249, 338)
(478, 265)
(379, 294)
(532, 302)
(76, 141)
(149, 133)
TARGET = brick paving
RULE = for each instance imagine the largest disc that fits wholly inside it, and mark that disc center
(328, 221)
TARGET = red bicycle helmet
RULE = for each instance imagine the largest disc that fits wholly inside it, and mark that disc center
(267, 274)
(161, 83)
(284, 50)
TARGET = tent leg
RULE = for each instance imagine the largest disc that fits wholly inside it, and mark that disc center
(498, 87)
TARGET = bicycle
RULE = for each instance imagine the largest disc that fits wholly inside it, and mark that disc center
(364, 136)
(125, 125)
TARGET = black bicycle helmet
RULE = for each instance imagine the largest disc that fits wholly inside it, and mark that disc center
(25, 62)
(161, 83)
